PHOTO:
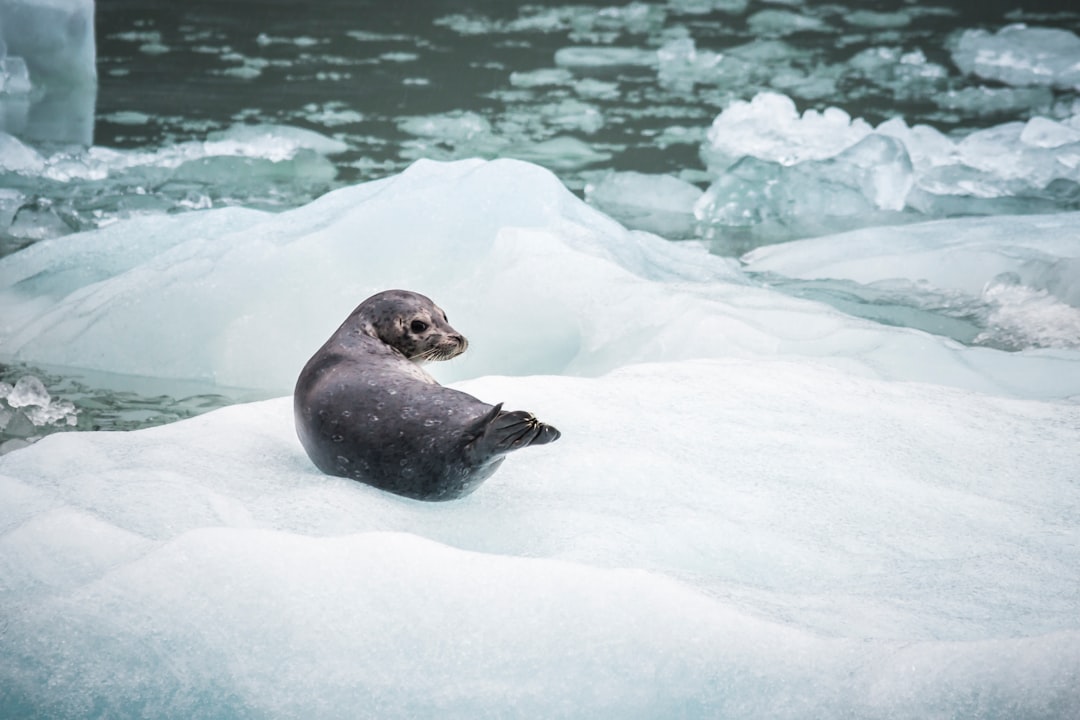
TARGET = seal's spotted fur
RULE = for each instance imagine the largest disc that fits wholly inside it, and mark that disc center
(366, 410)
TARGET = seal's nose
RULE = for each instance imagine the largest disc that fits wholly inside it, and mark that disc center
(461, 341)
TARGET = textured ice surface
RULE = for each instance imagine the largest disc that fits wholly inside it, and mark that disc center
(539, 281)
(781, 175)
(1019, 275)
(263, 165)
(962, 254)
(585, 57)
(784, 22)
(1021, 55)
(458, 135)
(656, 203)
(867, 182)
(691, 548)
(769, 127)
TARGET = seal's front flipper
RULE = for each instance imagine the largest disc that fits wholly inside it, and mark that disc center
(500, 432)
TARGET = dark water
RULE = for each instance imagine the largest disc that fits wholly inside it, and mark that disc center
(198, 66)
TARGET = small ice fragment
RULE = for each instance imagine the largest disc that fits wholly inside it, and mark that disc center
(29, 390)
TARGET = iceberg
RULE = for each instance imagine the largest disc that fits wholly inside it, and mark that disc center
(1021, 274)
(779, 175)
(769, 127)
(48, 46)
(259, 165)
(660, 204)
(1021, 55)
(241, 298)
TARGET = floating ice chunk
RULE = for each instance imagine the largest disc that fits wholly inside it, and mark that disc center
(1021, 272)
(127, 117)
(1036, 152)
(558, 153)
(679, 135)
(541, 78)
(448, 136)
(584, 21)
(659, 204)
(770, 128)
(273, 142)
(702, 7)
(681, 64)
(585, 58)
(636, 18)
(812, 197)
(963, 254)
(594, 89)
(332, 114)
(29, 390)
(983, 101)
(453, 127)
(27, 406)
(1045, 133)
(1021, 55)
(784, 22)
(880, 20)
(907, 74)
(301, 41)
(1009, 168)
(809, 85)
(252, 164)
(572, 114)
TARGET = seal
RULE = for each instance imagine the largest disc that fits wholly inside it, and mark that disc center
(365, 408)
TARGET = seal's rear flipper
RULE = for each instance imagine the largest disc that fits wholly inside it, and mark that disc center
(499, 432)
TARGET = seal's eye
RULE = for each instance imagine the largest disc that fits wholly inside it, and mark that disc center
(418, 326)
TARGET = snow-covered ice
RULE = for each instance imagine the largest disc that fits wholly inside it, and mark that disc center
(241, 298)
(714, 538)
(1021, 55)
(781, 175)
(1021, 273)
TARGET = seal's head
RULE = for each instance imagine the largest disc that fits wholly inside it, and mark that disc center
(411, 324)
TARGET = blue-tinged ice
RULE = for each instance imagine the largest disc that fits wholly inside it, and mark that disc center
(48, 76)
(1021, 55)
(726, 538)
(1017, 278)
(241, 298)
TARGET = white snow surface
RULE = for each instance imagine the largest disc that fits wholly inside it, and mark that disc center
(713, 538)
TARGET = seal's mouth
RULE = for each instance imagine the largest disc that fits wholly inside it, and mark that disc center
(443, 351)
